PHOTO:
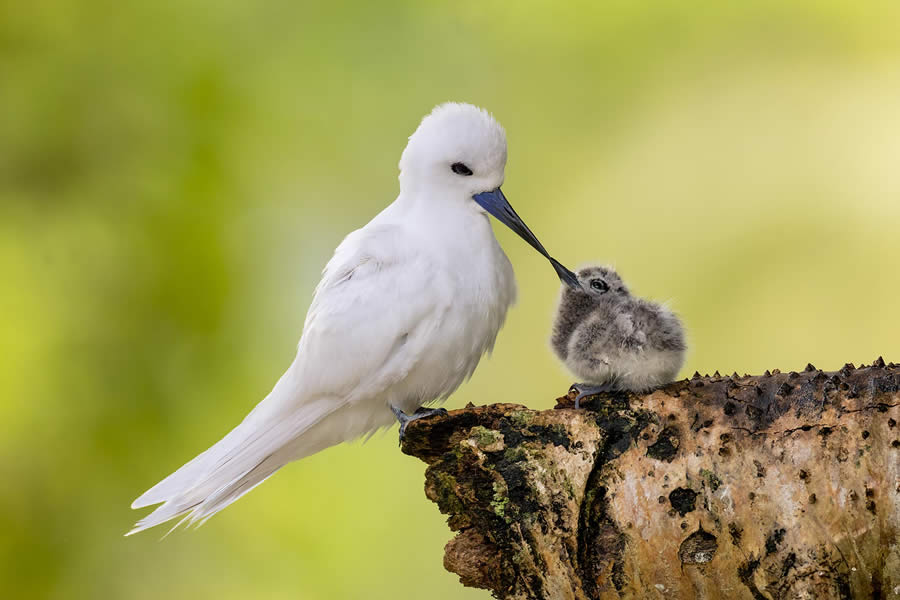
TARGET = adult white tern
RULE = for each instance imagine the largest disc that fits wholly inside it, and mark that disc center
(404, 311)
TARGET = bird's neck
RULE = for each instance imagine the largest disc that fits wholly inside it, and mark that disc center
(437, 211)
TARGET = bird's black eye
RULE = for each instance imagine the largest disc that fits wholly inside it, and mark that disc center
(599, 285)
(460, 169)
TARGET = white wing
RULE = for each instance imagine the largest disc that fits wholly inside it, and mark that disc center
(368, 323)
(377, 300)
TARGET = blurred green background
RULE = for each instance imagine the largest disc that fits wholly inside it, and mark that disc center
(174, 175)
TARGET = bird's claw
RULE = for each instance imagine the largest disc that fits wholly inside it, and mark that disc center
(584, 390)
(421, 413)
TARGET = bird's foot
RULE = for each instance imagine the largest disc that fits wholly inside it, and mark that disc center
(421, 413)
(585, 389)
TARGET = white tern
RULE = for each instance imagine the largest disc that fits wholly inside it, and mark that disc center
(405, 309)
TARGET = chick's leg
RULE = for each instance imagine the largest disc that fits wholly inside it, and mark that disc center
(586, 389)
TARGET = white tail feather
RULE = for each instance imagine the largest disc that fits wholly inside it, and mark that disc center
(263, 443)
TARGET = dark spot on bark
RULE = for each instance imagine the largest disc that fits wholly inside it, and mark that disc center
(824, 432)
(784, 390)
(870, 493)
(775, 538)
(672, 417)
(729, 408)
(683, 500)
(752, 496)
(788, 564)
(745, 574)
(601, 545)
(736, 533)
(843, 581)
(725, 438)
(892, 423)
(661, 499)
(554, 433)
(724, 452)
(877, 587)
(666, 446)
(804, 475)
(599, 541)
(684, 525)
(521, 498)
(895, 444)
(703, 425)
(870, 506)
(760, 469)
(753, 412)
(812, 498)
(699, 548)
(854, 496)
(865, 435)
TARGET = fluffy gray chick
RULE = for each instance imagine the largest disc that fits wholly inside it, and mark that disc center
(612, 340)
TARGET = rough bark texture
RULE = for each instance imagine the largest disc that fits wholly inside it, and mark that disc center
(785, 485)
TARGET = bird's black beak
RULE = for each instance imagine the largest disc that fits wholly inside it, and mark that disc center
(496, 204)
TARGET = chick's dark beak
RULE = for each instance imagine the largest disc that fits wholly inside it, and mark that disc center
(497, 205)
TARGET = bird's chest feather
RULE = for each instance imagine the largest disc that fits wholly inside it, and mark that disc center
(473, 285)
(480, 287)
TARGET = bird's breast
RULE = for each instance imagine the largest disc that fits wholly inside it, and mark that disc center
(475, 286)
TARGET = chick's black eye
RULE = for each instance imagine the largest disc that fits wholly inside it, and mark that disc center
(599, 285)
(460, 169)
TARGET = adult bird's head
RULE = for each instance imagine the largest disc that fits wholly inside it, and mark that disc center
(458, 153)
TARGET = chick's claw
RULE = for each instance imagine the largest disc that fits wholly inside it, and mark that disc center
(585, 390)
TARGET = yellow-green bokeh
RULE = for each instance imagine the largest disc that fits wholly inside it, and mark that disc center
(173, 176)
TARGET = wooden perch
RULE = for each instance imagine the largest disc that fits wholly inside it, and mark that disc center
(785, 485)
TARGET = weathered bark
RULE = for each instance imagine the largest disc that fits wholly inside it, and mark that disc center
(785, 485)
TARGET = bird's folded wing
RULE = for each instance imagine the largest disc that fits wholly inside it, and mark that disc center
(373, 311)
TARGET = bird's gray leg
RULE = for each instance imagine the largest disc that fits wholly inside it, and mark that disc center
(421, 412)
(585, 389)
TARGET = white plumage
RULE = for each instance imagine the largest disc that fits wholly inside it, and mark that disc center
(404, 311)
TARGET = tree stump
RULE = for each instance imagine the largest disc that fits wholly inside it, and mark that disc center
(784, 485)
